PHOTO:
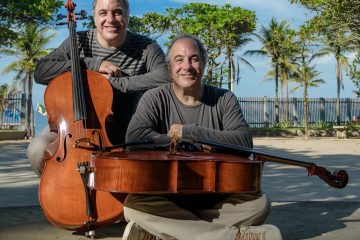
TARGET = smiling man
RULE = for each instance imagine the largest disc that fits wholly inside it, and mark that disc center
(131, 62)
(191, 110)
(187, 107)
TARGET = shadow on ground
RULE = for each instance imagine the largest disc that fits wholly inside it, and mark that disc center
(313, 220)
(304, 207)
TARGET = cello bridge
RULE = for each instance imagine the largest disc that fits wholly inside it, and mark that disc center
(85, 143)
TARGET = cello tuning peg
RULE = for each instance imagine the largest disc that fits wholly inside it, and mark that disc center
(82, 14)
(60, 16)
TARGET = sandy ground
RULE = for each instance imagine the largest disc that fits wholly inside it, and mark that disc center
(304, 207)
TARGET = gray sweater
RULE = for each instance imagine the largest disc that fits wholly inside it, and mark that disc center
(217, 118)
(142, 63)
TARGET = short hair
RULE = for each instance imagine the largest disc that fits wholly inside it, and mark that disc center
(125, 3)
(202, 50)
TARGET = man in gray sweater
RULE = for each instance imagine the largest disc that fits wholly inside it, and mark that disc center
(189, 110)
(131, 62)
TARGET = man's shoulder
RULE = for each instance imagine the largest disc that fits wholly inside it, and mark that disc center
(217, 94)
(216, 90)
(85, 35)
(139, 38)
(161, 90)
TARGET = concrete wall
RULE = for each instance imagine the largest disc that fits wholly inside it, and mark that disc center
(12, 135)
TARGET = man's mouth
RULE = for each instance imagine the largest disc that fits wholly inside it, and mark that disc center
(112, 28)
(188, 76)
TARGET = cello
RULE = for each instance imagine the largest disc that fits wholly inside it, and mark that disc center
(172, 172)
(78, 103)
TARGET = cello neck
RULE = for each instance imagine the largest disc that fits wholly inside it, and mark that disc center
(337, 179)
(79, 102)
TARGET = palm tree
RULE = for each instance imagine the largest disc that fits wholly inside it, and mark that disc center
(241, 40)
(287, 70)
(28, 48)
(342, 64)
(276, 41)
(307, 77)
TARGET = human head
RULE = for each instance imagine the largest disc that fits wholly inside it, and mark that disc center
(111, 18)
(203, 52)
(186, 57)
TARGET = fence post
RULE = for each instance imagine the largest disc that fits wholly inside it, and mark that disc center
(348, 110)
(295, 112)
(322, 109)
(266, 112)
(22, 112)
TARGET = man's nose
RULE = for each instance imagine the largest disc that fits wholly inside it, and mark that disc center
(110, 17)
(186, 64)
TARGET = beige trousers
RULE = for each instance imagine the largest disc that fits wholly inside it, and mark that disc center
(167, 220)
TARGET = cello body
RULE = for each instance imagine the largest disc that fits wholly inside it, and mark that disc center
(163, 172)
(61, 190)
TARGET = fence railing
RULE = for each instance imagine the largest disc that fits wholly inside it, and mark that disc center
(10, 112)
(260, 112)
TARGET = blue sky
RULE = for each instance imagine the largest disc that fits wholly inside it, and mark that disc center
(252, 83)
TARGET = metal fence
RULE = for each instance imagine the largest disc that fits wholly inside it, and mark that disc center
(260, 112)
(10, 112)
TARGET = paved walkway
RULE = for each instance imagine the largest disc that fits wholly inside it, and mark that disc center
(304, 207)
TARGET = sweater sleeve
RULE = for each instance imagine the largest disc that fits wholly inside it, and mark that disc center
(235, 129)
(157, 72)
(53, 64)
(146, 123)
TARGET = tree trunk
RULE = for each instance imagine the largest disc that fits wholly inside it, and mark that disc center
(23, 111)
(338, 84)
(306, 111)
(287, 101)
(29, 117)
(276, 93)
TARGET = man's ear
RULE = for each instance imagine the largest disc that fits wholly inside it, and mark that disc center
(168, 66)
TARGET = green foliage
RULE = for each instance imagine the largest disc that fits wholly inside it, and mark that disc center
(14, 14)
(7, 91)
(320, 125)
(307, 78)
(277, 42)
(221, 28)
(335, 16)
(354, 74)
(283, 124)
(28, 48)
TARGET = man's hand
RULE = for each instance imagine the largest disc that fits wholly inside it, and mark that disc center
(175, 129)
(108, 69)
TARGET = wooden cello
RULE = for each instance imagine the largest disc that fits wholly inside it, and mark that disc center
(192, 172)
(77, 103)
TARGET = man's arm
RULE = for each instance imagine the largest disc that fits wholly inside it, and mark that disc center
(53, 64)
(59, 61)
(146, 122)
(235, 128)
(157, 72)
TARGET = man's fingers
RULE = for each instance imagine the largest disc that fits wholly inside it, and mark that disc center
(109, 69)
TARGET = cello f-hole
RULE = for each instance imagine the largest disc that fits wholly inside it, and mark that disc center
(59, 158)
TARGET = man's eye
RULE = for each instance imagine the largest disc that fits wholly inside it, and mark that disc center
(119, 12)
(178, 60)
(195, 59)
(102, 13)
